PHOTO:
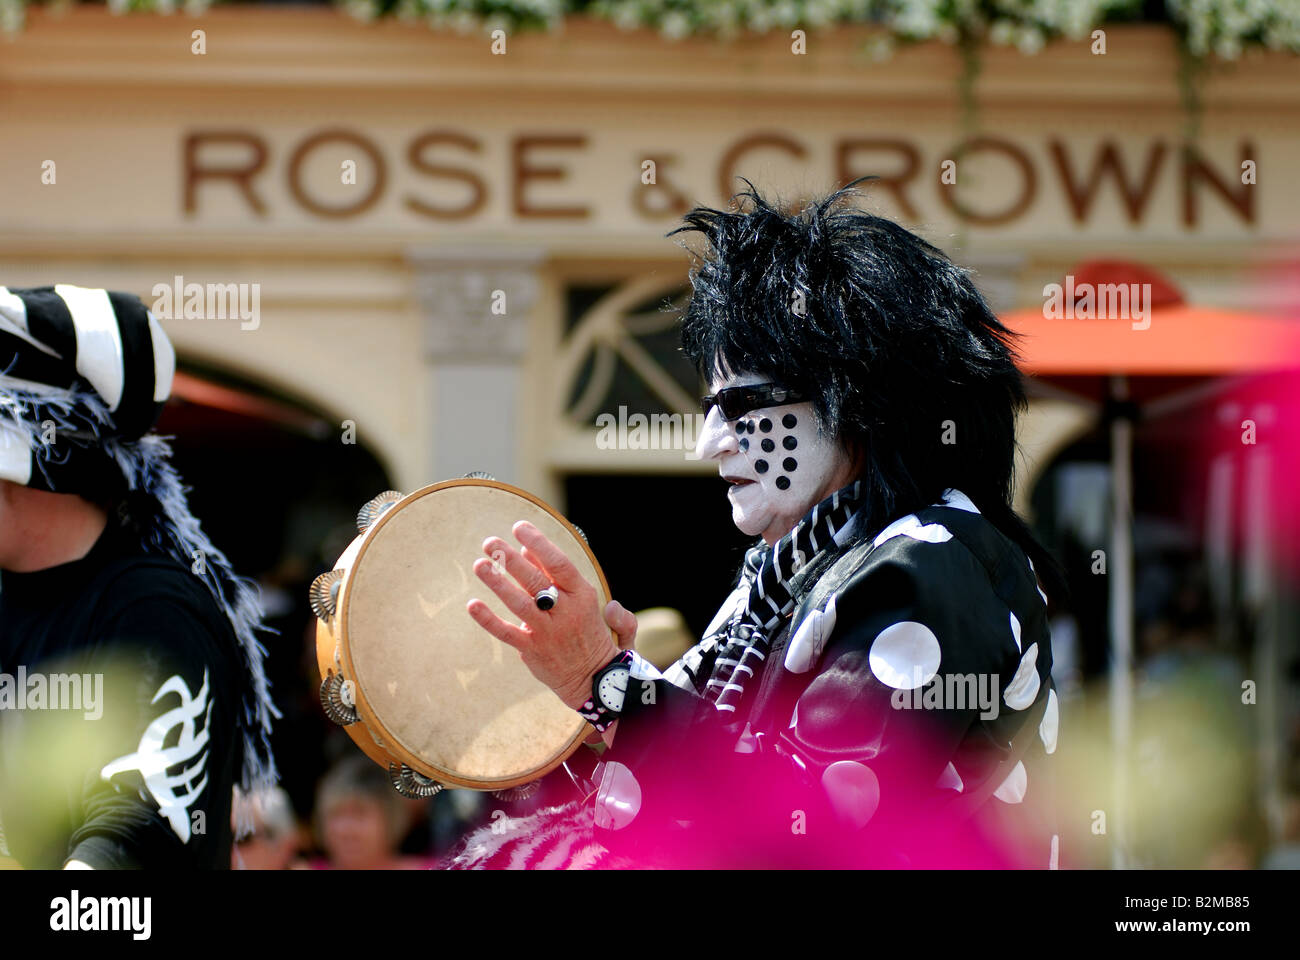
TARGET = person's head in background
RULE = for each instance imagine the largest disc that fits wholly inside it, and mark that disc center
(359, 817)
(274, 842)
(662, 636)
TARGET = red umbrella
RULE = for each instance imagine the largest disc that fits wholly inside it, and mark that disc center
(1178, 338)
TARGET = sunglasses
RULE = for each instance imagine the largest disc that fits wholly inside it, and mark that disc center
(735, 402)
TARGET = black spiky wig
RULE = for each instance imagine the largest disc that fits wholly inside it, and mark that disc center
(890, 340)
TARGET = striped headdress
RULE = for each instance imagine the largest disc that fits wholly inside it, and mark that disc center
(84, 374)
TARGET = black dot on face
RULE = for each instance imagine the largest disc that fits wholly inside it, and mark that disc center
(768, 445)
(790, 464)
(783, 483)
(789, 443)
(789, 421)
(744, 444)
(760, 466)
(740, 426)
(765, 425)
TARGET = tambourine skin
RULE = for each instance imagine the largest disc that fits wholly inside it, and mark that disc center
(433, 690)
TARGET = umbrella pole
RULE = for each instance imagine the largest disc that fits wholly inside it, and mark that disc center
(1121, 623)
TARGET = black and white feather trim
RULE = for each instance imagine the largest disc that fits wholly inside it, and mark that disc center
(553, 838)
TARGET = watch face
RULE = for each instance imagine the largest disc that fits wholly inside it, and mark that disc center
(612, 688)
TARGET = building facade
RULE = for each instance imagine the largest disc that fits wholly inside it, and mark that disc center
(419, 216)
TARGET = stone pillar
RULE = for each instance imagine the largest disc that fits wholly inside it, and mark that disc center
(475, 352)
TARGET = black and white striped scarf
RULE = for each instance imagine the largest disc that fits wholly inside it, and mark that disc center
(84, 375)
(740, 646)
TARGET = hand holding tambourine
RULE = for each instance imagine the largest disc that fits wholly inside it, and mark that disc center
(562, 643)
(443, 697)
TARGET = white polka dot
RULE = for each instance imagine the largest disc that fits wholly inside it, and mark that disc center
(1015, 629)
(799, 762)
(747, 742)
(618, 798)
(950, 779)
(911, 526)
(853, 792)
(810, 639)
(959, 500)
(1036, 586)
(1051, 722)
(1023, 688)
(905, 655)
(1014, 786)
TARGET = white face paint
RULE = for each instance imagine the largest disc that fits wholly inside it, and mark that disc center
(778, 467)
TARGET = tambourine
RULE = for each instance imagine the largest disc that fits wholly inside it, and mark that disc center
(420, 687)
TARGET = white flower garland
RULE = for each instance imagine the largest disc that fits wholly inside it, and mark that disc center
(1221, 28)
(1226, 27)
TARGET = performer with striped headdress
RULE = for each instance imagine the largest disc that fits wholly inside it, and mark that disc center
(132, 690)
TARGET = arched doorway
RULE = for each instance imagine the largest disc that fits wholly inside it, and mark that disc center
(276, 486)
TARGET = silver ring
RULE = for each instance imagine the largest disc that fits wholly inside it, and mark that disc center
(545, 599)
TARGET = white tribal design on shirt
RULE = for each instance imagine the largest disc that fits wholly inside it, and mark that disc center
(153, 760)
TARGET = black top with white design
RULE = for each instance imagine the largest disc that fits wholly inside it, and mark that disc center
(136, 773)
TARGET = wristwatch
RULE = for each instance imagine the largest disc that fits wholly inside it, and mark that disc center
(608, 692)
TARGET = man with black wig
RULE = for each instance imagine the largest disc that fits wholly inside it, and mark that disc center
(878, 686)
